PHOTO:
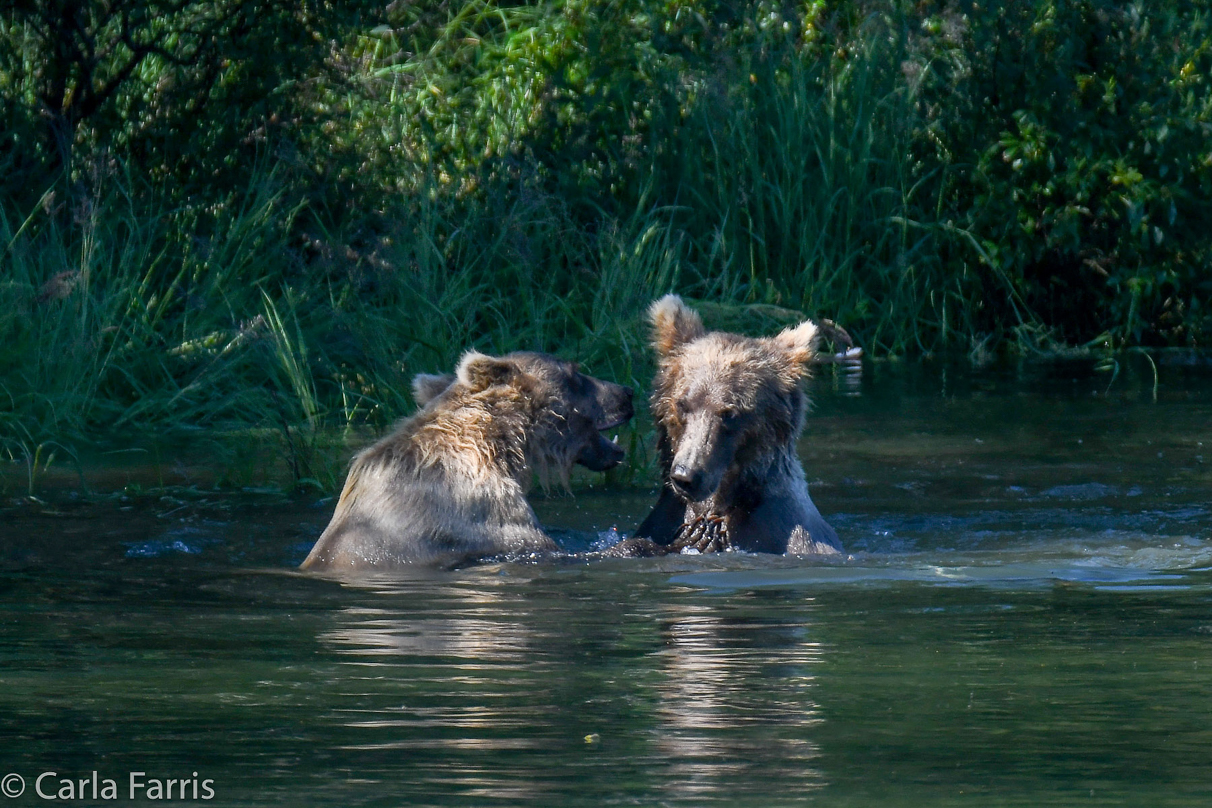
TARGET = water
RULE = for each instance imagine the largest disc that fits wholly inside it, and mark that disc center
(1025, 618)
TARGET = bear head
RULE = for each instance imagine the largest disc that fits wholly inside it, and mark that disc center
(560, 411)
(724, 403)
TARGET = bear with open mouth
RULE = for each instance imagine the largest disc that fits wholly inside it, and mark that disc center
(728, 410)
(448, 486)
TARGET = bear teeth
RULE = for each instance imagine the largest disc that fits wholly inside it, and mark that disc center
(615, 439)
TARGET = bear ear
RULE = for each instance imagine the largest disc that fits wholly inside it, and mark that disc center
(673, 324)
(799, 342)
(427, 386)
(479, 371)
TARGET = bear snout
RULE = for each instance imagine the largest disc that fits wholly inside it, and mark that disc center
(702, 453)
(616, 407)
(688, 483)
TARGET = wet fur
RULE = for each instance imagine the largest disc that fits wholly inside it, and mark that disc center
(448, 485)
(729, 410)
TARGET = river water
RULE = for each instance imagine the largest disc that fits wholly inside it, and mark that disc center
(1024, 617)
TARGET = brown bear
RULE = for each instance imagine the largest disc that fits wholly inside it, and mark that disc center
(728, 410)
(448, 485)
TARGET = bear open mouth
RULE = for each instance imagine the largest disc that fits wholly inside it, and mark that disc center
(612, 422)
(602, 452)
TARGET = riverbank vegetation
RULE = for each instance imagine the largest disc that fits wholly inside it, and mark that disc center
(255, 217)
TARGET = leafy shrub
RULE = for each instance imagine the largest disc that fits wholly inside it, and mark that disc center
(1079, 138)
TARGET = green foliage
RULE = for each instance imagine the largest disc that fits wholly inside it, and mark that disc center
(186, 91)
(260, 215)
(1081, 132)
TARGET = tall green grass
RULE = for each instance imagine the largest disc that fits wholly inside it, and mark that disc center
(798, 189)
(124, 313)
(250, 319)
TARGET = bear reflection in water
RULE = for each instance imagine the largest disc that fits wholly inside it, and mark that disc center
(491, 678)
(737, 699)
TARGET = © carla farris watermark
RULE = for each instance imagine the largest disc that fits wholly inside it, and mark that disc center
(134, 786)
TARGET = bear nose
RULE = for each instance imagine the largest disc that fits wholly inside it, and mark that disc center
(686, 481)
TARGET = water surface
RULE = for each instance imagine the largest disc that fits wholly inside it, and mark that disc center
(1024, 618)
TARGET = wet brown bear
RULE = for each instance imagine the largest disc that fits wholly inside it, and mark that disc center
(729, 410)
(449, 484)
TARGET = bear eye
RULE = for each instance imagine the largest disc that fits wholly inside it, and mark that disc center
(730, 417)
(680, 408)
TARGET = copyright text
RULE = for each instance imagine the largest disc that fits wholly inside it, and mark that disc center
(136, 785)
